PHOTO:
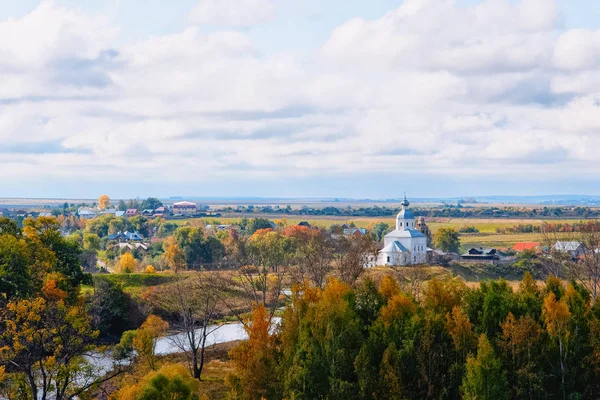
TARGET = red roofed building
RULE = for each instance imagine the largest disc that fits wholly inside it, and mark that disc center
(522, 246)
(185, 208)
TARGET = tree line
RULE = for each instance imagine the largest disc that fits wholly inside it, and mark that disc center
(379, 341)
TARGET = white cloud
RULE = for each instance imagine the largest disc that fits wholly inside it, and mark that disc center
(578, 49)
(232, 12)
(429, 88)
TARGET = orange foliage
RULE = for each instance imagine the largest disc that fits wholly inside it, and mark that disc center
(557, 316)
(103, 202)
(444, 295)
(260, 232)
(253, 361)
(51, 289)
(397, 307)
(389, 287)
(460, 328)
(302, 233)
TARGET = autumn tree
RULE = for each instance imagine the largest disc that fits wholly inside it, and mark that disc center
(103, 202)
(556, 318)
(146, 338)
(173, 255)
(254, 361)
(44, 340)
(127, 263)
(521, 346)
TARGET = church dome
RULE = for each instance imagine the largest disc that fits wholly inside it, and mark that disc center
(405, 214)
(405, 218)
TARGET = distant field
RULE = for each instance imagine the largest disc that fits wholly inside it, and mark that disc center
(483, 225)
(487, 227)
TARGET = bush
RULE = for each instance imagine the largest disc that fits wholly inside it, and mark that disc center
(150, 270)
(468, 229)
(169, 382)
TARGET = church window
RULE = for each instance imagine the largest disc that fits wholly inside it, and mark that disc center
(388, 258)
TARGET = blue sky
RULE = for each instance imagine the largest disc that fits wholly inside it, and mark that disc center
(299, 98)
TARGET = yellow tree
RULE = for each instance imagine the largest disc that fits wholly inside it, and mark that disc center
(44, 341)
(254, 363)
(174, 255)
(557, 316)
(127, 263)
(145, 340)
(461, 330)
(103, 202)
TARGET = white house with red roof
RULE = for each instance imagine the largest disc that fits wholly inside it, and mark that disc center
(185, 208)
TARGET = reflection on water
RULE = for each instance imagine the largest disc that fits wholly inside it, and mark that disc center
(226, 333)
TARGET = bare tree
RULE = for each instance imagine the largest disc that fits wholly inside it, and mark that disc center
(577, 256)
(314, 257)
(413, 278)
(195, 302)
(352, 255)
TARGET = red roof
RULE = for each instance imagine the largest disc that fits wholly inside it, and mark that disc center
(521, 246)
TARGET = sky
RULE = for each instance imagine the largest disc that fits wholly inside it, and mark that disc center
(299, 98)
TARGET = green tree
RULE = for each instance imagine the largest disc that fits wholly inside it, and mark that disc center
(151, 203)
(91, 241)
(14, 267)
(379, 230)
(9, 227)
(447, 239)
(390, 381)
(256, 224)
(122, 206)
(109, 308)
(484, 378)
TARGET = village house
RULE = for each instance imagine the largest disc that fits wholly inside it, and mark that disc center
(481, 254)
(126, 237)
(574, 249)
(87, 213)
(185, 208)
(355, 232)
(160, 211)
(132, 212)
(131, 246)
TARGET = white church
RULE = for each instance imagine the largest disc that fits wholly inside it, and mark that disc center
(406, 245)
